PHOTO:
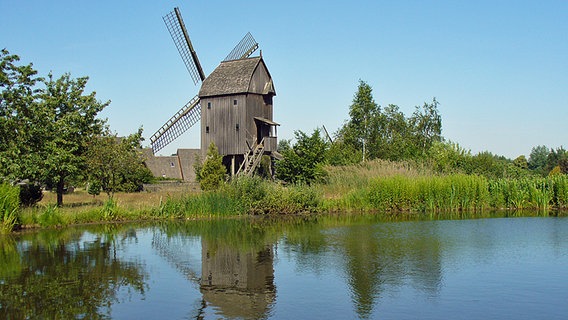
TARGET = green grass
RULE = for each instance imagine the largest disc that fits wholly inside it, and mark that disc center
(378, 187)
(388, 186)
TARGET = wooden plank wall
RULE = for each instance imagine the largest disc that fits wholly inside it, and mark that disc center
(223, 116)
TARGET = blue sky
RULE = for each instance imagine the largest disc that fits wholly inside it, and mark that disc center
(498, 68)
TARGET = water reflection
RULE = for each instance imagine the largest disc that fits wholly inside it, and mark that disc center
(237, 266)
(300, 267)
(238, 284)
(374, 257)
(237, 278)
(65, 274)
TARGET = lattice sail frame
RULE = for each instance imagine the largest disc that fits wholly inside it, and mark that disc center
(243, 49)
(190, 113)
(184, 119)
(176, 28)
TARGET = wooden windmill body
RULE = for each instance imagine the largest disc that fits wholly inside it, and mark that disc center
(234, 104)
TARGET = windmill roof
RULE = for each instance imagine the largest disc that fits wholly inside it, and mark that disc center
(230, 77)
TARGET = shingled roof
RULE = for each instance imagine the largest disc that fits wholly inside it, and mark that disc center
(230, 77)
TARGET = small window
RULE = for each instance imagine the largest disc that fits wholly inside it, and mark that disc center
(235, 102)
(237, 127)
(208, 105)
(207, 129)
(172, 164)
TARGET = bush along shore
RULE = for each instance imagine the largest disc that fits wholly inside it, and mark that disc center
(399, 191)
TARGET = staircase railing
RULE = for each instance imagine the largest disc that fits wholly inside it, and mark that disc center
(252, 159)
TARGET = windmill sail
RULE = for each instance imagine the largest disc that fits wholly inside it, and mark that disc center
(176, 27)
(190, 113)
(185, 118)
(243, 49)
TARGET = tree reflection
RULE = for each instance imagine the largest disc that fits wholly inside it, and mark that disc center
(376, 256)
(237, 256)
(64, 274)
(366, 263)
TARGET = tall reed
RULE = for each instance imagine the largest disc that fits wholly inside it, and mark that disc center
(560, 190)
(9, 207)
(433, 193)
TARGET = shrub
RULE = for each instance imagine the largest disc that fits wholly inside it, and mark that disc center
(212, 173)
(30, 194)
(94, 187)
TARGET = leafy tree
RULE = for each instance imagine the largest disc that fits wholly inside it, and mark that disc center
(521, 162)
(364, 111)
(395, 135)
(558, 158)
(427, 126)
(44, 132)
(18, 121)
(387, 133)
(116, 164)
(303, 162)
(538, 159)
(342, 154)
(69, 124)
(450, 157)
(284, 144)
(213, 173)
(94, 187)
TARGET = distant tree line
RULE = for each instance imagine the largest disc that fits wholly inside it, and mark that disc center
(371, 132)
(375, 132)
(51, 136)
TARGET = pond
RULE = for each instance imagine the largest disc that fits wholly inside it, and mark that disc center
(326, 267)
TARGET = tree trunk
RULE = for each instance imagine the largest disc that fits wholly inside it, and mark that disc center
(60, 188)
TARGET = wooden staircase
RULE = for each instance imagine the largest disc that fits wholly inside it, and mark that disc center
(252, 160)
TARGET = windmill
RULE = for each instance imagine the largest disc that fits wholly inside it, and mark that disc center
(237, 113)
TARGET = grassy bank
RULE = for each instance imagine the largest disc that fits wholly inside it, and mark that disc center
(388, 186)
(240, 197)
(376, 187)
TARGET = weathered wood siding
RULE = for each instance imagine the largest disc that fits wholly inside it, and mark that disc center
(259, 79)
(220, 116)
(222, 119)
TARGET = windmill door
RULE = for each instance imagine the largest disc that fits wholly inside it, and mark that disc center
(266, 130)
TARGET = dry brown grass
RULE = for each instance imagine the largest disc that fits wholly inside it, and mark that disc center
(130, 201)
(342, 179)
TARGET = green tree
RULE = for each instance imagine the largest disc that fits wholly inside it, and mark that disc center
(395, 135)
(558, 157)
(116, 164)
(213, 173)
(426, 123)
(360, 130)
(69, 124)
(450, 157)
(538, 159)
(18, 121)
(342, 154)
(521, 162)
(303, 162)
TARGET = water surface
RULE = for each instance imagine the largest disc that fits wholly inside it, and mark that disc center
(295, 268)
